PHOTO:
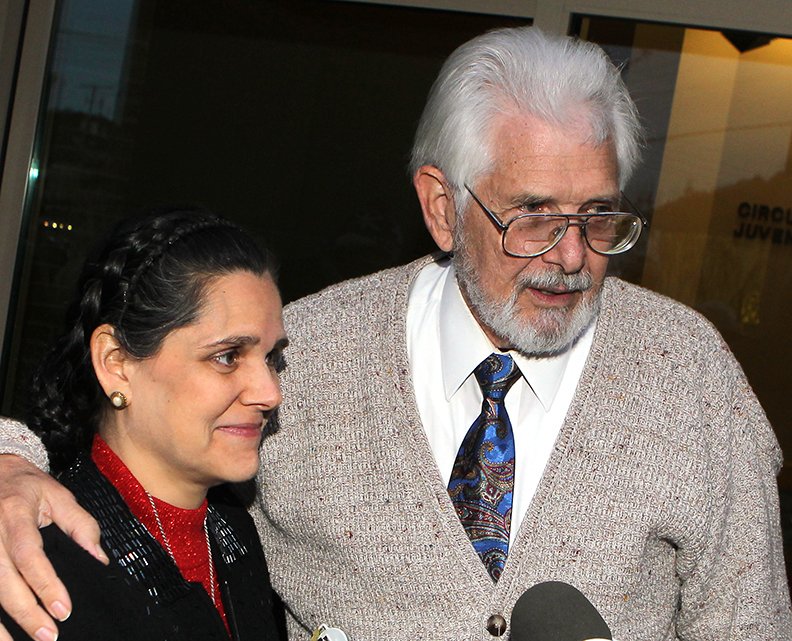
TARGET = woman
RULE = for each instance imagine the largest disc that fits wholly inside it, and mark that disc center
(158, 392)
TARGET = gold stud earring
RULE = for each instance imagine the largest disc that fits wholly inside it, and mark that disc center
(118, 400)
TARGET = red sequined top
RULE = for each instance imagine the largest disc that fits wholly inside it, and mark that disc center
(183, 528)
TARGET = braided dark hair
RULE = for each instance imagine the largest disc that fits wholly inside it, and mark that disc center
(147, 280)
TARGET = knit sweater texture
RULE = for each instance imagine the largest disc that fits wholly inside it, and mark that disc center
(659, 501)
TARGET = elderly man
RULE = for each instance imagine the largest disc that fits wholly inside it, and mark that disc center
(462, 428)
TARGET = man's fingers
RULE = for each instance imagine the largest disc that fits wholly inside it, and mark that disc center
(21, 605)
(64, 511)
(28, 560)
(28, 499)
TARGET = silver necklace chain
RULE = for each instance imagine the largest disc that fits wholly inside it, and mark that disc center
(170, 550)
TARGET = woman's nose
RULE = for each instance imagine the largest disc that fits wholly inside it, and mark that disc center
(262, 387)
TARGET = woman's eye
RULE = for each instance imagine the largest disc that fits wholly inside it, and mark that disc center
(227, 359)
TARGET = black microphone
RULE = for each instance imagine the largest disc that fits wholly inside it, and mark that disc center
(556, 611)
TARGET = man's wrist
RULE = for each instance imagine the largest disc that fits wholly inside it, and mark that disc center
(17, 439)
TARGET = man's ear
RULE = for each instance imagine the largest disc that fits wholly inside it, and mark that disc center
(437, 204)
(109, 360)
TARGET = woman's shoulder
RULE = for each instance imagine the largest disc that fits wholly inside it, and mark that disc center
(233, 530)
(260, 614)
(103, 603)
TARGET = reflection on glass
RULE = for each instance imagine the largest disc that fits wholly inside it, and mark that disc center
(88, 66)
(267, 112)
(718, 186)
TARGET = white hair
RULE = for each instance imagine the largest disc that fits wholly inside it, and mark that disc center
(521, 70)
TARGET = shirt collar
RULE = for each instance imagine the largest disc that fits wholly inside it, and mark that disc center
(463, 345)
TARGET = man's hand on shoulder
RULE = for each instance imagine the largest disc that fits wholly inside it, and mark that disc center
(30, 499)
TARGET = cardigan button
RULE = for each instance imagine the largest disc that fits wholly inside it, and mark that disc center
(496, 625)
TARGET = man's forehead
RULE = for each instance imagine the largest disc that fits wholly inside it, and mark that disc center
(574, 173)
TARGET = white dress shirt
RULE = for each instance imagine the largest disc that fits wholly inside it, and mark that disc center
(445, 344)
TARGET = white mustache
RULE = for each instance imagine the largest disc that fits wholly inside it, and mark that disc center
(556, 281)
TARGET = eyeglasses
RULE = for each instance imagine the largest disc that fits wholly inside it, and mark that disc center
(530, 235)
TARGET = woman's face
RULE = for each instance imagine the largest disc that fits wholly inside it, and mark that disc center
(197, 408)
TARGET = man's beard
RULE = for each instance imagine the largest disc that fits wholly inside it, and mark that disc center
(551, 331)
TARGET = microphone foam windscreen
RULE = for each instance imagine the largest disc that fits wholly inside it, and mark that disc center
(556, 611)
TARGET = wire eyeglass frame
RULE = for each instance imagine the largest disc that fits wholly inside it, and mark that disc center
(634, 232)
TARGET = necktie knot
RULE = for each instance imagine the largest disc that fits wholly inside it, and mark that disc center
(495, 375)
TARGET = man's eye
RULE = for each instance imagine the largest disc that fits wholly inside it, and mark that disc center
(227, 359)
(599, 208)
(533, 208)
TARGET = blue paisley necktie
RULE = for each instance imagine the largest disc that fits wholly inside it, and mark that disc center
(482, 480)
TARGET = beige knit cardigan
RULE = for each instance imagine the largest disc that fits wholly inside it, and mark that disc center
(659, 501)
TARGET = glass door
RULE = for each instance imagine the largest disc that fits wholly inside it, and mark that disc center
(717, 187)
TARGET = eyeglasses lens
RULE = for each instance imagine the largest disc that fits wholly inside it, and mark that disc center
(607, 234)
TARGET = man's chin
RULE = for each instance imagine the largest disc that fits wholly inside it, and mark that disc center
(549, 331)
(532, 321)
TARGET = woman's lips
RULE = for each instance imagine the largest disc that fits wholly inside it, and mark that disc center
(244, 430)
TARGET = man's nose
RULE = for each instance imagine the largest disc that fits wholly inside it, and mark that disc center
(570, 252)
